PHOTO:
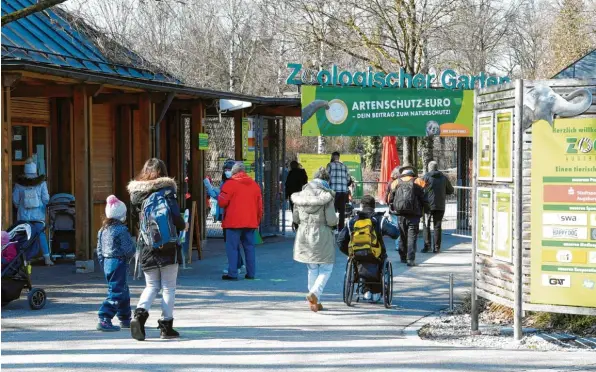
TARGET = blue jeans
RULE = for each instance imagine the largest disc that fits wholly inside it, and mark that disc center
(41, 242)
(234, 237)
(395, 221)
(118, 300)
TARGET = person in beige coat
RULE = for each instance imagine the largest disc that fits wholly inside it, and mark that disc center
(314, 213)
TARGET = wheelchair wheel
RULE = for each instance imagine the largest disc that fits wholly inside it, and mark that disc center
(387, 283)
(349, 282)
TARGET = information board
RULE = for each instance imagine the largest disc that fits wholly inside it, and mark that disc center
(484, 221)
(564, 212)
(503, 229)
(504, 145)
(485, 147)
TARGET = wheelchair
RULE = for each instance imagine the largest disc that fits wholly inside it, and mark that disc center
(354, 283)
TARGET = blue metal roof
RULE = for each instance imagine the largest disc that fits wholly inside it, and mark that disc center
(583, 68)
(49, 38)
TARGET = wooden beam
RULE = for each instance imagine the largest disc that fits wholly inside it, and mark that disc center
(197, 164)
(10, 79)
(238, 115)
(143, 136)
(286, 111)
(6, 155)
(126, 98)
(82, 175)
(51, 91)
(94, 89)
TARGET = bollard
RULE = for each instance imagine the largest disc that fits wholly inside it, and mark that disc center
(450, 291)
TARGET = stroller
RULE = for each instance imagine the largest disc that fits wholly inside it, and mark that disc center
(16, 274)
(62, 225)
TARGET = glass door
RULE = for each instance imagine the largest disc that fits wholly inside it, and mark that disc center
(29, 141)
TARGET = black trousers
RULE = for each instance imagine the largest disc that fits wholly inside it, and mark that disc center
(437, 219)
(341, 198)
(408, 233)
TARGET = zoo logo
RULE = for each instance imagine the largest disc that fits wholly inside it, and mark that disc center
(582, 145)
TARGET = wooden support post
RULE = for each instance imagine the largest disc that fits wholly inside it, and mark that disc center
(194, 233)
(123, 149)
(145, 134)
(6, 156)
(197, 163)
(82, 174)
(238, 115)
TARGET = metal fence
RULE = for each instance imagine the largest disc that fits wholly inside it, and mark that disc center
(458, 207)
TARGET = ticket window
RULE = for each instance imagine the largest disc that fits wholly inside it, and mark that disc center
(29, 141)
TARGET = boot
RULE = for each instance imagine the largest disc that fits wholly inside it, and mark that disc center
(137, 325)
(48, 260)
(165, 326)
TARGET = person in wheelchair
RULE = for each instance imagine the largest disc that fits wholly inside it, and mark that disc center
(363, 238)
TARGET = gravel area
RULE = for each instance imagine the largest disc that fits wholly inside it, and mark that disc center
(455, 330)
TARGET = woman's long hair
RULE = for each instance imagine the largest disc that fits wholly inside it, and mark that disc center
(154, 168)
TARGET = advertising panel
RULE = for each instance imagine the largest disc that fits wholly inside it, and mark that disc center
(335, 111)
(484, 221)
(564, 212)
(504, 146)
(485, 147)
(503, 229)
(312, 162)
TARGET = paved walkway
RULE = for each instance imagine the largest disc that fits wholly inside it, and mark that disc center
(261, 325)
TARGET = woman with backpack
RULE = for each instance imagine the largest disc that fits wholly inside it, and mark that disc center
(30, 196)
(153, 196)
(314, 213)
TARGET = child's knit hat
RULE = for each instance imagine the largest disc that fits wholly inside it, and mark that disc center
(115, 208)
(5, 238)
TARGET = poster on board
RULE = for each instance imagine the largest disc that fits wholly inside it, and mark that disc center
(563, 212)
(484, 221)
(485, 147)
(503, 226)
(504, 145)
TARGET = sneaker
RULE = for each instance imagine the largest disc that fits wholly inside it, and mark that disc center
(242, 269)
(125, 323)
(105, 325)
(227, 277)
(411, 263)
(368, 295)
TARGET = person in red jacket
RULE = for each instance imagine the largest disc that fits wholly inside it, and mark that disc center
(243, 203)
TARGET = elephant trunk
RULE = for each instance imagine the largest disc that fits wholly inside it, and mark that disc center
(565, 107)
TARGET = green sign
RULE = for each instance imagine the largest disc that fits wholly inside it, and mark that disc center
(484, 221)
(203, 141)
(331, 111)
(449, 79)
(312, 162)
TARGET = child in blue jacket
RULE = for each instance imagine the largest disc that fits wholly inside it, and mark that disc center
(115, 248)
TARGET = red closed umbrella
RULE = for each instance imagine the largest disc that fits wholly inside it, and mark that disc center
(389, 160)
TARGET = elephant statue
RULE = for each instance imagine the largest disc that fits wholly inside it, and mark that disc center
(542, 103)
(312, 108)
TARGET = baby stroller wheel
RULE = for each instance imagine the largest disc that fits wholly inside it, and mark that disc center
(37, 298)
(387, 284)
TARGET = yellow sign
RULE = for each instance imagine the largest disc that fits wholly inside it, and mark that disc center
(245, 128)
(564, 212)
(503, 226)
(504, 146)
(485, 147)
(484, 221)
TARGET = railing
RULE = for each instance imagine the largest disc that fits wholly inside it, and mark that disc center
(458, 207)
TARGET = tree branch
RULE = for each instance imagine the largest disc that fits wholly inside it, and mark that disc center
(22, 13)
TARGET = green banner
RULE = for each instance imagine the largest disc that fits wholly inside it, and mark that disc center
(203, 141)
(333, 111)
(312, 162)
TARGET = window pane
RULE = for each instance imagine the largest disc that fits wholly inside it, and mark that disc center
(40, 149)
(20, 142)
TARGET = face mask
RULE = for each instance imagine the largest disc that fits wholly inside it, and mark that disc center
(228, 174)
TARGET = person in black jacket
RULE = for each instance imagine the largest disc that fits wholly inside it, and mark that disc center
(383, 227)
(295, 181)
(160, 266)
(437, 188)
